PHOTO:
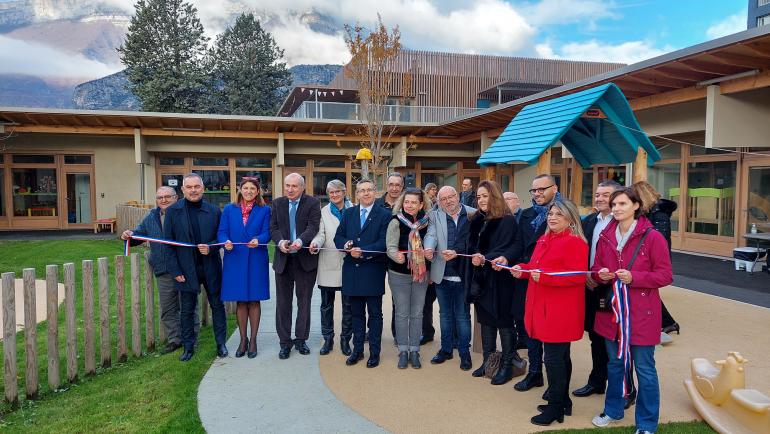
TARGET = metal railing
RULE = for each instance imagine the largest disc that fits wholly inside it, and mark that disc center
(390, 113)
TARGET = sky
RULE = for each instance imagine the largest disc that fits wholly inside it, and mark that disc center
(618, 31)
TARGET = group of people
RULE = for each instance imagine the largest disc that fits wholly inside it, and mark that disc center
(537, 278)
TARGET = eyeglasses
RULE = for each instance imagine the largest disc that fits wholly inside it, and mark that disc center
(168, 197)
(447, 198)
(535, 191)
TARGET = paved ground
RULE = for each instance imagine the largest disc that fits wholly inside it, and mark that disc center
(73, 234)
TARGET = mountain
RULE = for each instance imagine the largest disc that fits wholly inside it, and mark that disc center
(18, 90)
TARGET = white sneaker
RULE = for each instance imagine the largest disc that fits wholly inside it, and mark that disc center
(601, 420)
(665, 339)
(641, 431)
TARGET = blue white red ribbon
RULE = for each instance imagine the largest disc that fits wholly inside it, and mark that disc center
(622, 317)
(127, 245)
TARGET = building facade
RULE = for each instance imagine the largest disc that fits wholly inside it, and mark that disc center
(759, 13)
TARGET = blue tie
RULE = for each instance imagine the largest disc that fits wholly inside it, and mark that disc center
(293, 220)
(363, 217)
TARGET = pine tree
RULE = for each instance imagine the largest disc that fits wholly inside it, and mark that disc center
(164, 55)
(250, 77)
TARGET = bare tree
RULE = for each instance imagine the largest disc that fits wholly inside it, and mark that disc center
(375, 69)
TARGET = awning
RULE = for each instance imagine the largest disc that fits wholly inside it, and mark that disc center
(596, 125)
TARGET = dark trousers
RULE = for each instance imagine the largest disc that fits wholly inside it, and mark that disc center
(599, 360)
(328, 294)
(359, 307)
(428, 331)
(558, 367)
(535, 355)
(666, 318)
(285, 282)
(189, 303)
(519, 299)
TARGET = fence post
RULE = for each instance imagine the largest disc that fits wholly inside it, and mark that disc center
(30, 334)
(104, 311)
(136, 337)
(9, 339)
(52, 310)
(88, 316)
(149, 304)
(120, 295)
(69, 310)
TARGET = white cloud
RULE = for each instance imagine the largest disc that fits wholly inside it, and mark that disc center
(20, 57)
(731, 24)
(626, 52)
(302, 45)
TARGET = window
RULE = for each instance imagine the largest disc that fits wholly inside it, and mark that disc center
(265, 182)
(763, 20)
(77, 159)
(711, 198)
(320, 179)
(442, 179)
(2, 191)
(217, 185)
(587, 192)
(34, 192)
(665, 179)
(338, 164)
(38, 159)
(668, 150)
(763, 2)
(261, 163)
(439, 165)
(209, 161)
(171, 161)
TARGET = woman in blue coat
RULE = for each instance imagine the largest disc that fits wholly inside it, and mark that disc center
(245, 277)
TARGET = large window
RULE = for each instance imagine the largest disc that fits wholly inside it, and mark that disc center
(665, 179)
(34, 192)
(763, 20)
(320, 179)
(217, 183)
(2, 190)
(711, 198)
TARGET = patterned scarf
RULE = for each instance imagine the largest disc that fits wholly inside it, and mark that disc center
(246, 208)
(336, 212)
(542, 210)
(416, 257)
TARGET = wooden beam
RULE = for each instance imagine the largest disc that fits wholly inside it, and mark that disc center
(754, 62)
(761, 49)
(544, 163)
(710, 67)
(629, 85)
(660, 80)
(640, 166)
(668, 98)
(576, 182)
(58, 129)
(747, 83)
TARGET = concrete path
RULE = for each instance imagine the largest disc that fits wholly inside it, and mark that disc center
(268, 395)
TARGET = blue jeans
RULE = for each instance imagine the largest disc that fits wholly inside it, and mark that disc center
(648, 395)
(455, 317)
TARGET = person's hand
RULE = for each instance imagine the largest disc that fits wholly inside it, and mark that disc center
(253, 243)
(428, 254)
(605, 274)
(356, 252)
(478, 259)
(313, 248)
(591, 283)
(449, 255)
(283, 246)
(126, 234)
(516, 271)
(228, 245)
(203, 248)
(500, 260)
(400, 258)
(296, 245)
(180, 279)
(535, 275)
(624, 276)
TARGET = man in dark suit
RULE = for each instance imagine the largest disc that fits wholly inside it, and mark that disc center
(362, 230)
(294, 221)
(468, 195)
(195, 221)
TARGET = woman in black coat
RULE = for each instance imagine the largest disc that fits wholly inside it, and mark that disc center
(492, 231)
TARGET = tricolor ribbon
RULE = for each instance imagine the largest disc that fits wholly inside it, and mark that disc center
(127, 245)
(622, 317)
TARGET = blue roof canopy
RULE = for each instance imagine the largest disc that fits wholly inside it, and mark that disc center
(611, 139)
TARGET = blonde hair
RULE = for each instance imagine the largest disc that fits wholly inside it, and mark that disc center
(647, 194)
(569, 210)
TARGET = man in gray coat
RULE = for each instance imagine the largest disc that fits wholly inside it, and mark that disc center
(447, 236)
(168, 296)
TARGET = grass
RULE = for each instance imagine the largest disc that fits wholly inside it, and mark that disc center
(695, 427)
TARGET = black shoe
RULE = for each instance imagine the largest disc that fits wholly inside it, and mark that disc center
(481, 370)
(403, 360)
(588, 390)
(465, 362)
(327, 347)
(567, 409)
(354, 358)
(504, 374)
(242, 352)
(186, 355)
(630, 400)
(373, 361)
(171, 347)
(548, 417)
(301, 347)
(425, 339)
(671, 328)
(284, 353)
(345, 347)
(251, 354)
(414, 359)
(441, 357)
(222, 350)
(530, 381)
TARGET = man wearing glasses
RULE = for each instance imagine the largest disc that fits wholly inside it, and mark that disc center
(152, 226)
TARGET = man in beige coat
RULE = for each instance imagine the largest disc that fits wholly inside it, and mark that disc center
(329, 277)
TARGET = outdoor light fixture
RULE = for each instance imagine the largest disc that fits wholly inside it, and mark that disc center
(181, 129)
(704, 83)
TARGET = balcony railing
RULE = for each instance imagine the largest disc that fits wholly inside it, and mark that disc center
(390, 113)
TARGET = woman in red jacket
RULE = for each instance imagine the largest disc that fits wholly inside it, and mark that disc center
(555, 307)
(631, 336)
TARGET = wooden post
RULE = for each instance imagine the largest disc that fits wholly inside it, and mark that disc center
(88, 316)
(30, 334)
(69, 310)
(136, 334)
(640, 166)
(52, 310)
(120, 295)
(544, 163)
(576, 182)
(104, 311)
(149, 304)
(204, 305)
(9, 339)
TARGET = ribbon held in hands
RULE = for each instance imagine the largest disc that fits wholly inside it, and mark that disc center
(127, 246)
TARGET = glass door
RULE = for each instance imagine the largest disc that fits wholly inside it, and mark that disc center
(757, 202)
(78, 199)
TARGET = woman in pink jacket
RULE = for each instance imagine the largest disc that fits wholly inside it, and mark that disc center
(631, 239)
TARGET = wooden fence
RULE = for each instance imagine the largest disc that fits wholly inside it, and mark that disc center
(129, 215)
(106, 295)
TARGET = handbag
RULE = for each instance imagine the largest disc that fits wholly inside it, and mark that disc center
(604, 301)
